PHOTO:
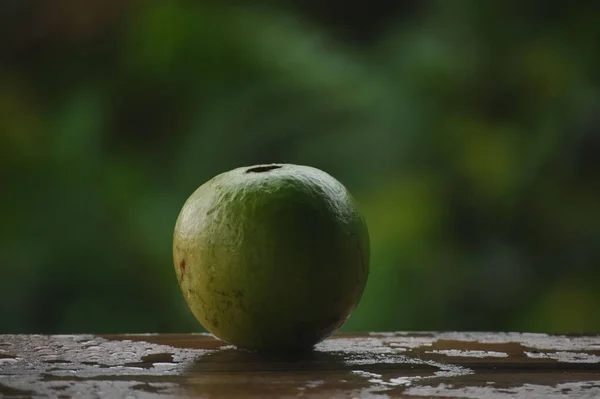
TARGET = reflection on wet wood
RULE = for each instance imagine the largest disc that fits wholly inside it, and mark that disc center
(376, 365)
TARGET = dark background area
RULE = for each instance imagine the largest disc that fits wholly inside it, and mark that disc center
(469, 132)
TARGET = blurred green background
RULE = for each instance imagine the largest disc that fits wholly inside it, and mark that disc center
(469, 132)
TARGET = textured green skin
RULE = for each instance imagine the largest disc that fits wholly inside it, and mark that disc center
(273, 260)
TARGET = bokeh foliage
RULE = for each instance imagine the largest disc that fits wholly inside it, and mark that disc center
(469, 132)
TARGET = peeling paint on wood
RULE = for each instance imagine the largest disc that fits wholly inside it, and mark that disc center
(375, 365)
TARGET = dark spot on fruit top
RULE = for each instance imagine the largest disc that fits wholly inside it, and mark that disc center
(262, 168)
(182, 265)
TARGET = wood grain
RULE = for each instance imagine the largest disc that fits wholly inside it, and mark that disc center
(375, 365)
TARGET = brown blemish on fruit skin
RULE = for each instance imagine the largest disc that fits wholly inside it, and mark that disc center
(182, 270)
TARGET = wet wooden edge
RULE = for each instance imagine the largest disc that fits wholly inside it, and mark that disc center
(374, 365)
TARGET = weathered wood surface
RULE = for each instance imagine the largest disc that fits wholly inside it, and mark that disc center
(377, 365)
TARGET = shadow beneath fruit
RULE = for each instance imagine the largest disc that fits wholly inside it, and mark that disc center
(230, 359)
(234, 373)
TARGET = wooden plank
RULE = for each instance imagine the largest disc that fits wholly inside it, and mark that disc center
(376, 365)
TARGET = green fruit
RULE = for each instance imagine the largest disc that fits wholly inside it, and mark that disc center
(271, 257)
